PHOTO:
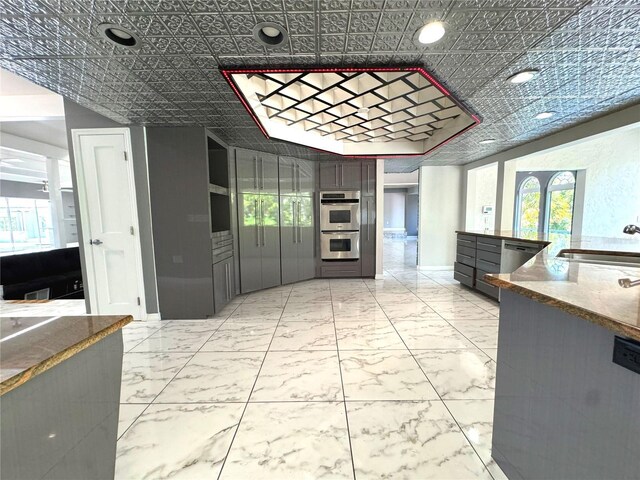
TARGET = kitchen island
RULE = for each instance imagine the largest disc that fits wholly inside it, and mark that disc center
(60, 385)
(563, 408)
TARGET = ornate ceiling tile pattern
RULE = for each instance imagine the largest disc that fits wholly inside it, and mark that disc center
(586, 52)
(352, 112)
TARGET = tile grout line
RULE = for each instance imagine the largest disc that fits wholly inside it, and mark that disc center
(246, 405)
(177, 373)
(437, 393)
(344, 395)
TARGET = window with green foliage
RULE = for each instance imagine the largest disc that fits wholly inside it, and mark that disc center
(544, 202)
(560, 194)
(529, 205)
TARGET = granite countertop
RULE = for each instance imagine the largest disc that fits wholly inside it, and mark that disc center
(30, 346)
(592, 291)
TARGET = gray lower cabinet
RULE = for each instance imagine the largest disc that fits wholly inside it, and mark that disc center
(344, 175)
(223, 283)
(256, 172)
(259, 241)
(297, 233)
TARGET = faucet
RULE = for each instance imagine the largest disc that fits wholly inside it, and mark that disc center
(627, 282)
(631, 229)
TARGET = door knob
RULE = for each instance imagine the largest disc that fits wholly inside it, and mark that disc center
(95, 242)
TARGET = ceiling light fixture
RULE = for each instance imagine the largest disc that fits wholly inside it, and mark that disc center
(270, 34)
(523, 76)
(543, 115)
(118, 35)
(430, 33)
(487, 141)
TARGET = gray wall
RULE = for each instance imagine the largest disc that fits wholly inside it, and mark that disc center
(10, 188)
(411, 215)
(76, 117)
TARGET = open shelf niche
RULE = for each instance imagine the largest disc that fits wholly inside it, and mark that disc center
(220, 208)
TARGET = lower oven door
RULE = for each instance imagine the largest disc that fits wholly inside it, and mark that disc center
(340, 245)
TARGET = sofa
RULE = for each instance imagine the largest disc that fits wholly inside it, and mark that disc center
(58, 270)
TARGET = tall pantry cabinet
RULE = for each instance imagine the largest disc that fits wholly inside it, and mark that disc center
(297, 226)
(258, 220)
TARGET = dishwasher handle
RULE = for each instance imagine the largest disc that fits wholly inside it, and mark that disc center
(521, 248)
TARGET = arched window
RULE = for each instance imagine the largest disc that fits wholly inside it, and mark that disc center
(528, 205)
(559, 203)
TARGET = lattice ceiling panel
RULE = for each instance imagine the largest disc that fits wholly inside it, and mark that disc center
(355, 112)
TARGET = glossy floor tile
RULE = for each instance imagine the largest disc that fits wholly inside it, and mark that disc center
(341, 378)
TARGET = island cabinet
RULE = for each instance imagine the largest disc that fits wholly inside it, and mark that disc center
(475, 257)
(343, 175)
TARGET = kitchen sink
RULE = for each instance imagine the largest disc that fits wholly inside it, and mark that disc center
(603, 258)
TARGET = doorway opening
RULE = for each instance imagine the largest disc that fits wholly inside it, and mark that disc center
(400, 221)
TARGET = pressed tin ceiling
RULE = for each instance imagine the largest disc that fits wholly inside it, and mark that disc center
(586, 52)
(352, 111)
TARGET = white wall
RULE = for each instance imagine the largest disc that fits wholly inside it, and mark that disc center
(612, 170)
(394, 202)
(481, 191)
(440, 209)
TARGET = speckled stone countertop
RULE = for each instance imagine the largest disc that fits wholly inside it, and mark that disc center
(592, 291)
(30, 346)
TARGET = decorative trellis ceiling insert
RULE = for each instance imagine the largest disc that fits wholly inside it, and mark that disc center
(352, 111)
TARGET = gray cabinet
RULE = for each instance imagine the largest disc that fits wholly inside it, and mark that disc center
(223, 283)
(368, 236)
(345, 175)
(297, 233)
(256, 172)
(296, 176)
(259, 241)
(368, 178)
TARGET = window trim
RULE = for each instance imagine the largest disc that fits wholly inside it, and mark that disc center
(544, 177)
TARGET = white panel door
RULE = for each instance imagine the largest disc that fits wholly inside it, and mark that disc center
(109, 221)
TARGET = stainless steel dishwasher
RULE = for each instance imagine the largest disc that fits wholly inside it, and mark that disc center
(515, 254)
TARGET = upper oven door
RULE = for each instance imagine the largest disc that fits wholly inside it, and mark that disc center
(339, 216)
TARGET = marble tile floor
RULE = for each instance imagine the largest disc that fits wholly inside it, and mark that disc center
(321, 379)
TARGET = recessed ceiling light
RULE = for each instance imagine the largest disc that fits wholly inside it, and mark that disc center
(487, 141)
(523, 76)
(431, 33)
(543, 115)
(270, 34)
(119, 35)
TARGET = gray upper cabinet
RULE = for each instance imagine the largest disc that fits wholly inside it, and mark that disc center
(256, 172)
(345, 175)
(296, 176)
(369, 178)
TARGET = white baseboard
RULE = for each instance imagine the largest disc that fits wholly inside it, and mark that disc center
(436, 268)
(379, 276)
(152, 316)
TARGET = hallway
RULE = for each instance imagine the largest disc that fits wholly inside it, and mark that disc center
(325, 378)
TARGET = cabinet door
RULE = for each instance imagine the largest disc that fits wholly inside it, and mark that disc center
(220, 285)
(268, 177)
(288, 238)
(306, 238)
(368, 178)
(350, 175)
(329, 176)
(288, 176)
(368, 236)
(306, 177)
(250, 242)
(247, 171)
(269, 206)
